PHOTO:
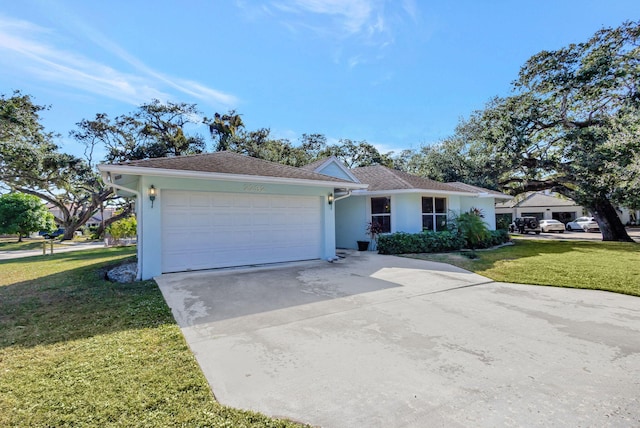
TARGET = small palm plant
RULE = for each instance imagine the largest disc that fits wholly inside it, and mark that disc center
(472, 228)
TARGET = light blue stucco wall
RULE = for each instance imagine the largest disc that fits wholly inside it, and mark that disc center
(487, 205)
(150, 219)
(406, 213)
(351, 221)
(353, 214)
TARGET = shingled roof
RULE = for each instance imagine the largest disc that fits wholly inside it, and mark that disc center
(230, 163)
(476, 189)
(537, 200)
(380, 178)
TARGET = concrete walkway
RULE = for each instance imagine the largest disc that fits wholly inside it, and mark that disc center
(57, 248)
(381, 341)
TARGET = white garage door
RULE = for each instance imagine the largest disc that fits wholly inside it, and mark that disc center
(203, 230)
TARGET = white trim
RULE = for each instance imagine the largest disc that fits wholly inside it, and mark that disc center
(405, 191)
(161, 172)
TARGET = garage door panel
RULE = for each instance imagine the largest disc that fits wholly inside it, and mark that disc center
(203, 230)
(200, 219)
(200, 200)
(176, 200)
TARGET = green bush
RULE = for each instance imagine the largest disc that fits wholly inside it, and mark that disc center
(434, 242)
(424, 242)
(123, 228)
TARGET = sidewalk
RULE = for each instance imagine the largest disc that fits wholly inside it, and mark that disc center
(63, 247)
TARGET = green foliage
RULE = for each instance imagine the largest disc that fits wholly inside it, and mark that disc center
(423, 242)
(356, 154)
(31, 163)
(23, 214)
(610, 266)
(503, 221)
(472, 228)
(224, 127)
(449, 160)
(434, 242)
(123, 228)
(154, 130)
(571, 126)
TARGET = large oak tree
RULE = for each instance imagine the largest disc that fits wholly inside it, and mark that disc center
(31, 163)
(571, 126)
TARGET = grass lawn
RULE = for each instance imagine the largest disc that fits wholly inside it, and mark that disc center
(610, 266)
(12, 244)
(76, 350)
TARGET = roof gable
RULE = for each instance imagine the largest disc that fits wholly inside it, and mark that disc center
(538, 199)
(331, 166)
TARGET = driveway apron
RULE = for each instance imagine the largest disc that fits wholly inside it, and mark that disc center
(381, 341)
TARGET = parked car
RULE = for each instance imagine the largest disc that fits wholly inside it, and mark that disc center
(50, 235)
(525, 225)
(588, 224)
(551, 226)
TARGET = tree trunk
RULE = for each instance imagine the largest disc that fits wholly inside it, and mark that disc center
(126, 212)
(69, 231)
(610, 224)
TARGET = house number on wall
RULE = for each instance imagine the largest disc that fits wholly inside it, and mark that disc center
(253, 188)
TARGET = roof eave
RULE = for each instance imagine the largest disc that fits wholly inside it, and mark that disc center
(202, 175)
(407, 191)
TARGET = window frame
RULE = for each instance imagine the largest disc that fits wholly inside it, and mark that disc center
(434, 215)
(373, 216)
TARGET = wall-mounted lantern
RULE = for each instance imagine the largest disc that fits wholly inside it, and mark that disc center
(152, 194)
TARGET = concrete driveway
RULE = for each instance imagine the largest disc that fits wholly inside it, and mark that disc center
(381, 341)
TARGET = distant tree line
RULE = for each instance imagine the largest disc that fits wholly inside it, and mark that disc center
(572, 125)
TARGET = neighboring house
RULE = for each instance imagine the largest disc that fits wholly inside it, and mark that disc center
(97, 218)
(400, 202)
(540, 205)
(94, 221)
(224, 209)
(549, 205)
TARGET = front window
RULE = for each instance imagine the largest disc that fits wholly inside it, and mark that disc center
(381, 213)
(434, 214)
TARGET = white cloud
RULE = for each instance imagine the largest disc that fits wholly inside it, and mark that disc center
(348, 18)
(354, 16)
(29, 48)
(361, 30)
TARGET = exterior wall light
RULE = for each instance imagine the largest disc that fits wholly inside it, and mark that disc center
(152, 194)
(330, 198)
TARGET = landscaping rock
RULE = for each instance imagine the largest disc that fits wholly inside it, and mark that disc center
(123, 273)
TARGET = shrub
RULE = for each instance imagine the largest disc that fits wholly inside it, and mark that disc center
(472, 228)
(124, 228)
(424, 242)
(434, 242)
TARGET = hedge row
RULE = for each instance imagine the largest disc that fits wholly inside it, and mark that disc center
(433, 242)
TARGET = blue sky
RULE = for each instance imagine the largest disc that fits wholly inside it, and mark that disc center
(397, 74)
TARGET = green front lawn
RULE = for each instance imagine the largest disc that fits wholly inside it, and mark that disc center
(610, 266)
(12, 244)
(76, 350)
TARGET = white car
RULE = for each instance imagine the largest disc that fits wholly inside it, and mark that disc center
(587, 224)
(551, 226)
